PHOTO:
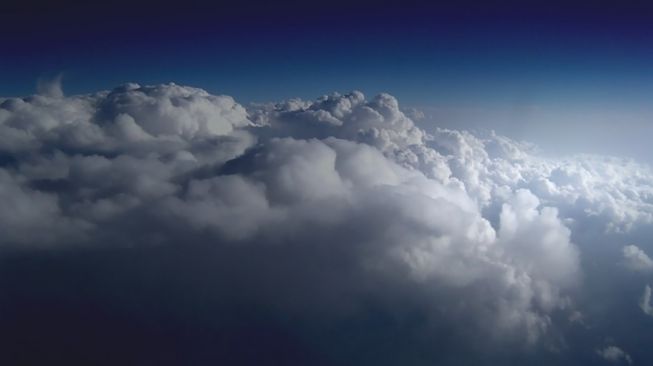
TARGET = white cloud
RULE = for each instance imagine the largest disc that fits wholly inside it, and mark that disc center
(415, 114)
(636, 259)
(614, 354)
(469, 230)
(618, 192)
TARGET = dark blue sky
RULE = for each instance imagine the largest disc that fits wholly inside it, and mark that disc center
(255, 51)
(459, 62)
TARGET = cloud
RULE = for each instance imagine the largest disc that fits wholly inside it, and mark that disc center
(614, 354)
(32, 216)
(645, 301)
(336, 210)
(415, 114)
(636, 260)
(617, 192)
(50, 87)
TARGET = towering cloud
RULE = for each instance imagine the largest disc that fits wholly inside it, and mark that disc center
(338, 210)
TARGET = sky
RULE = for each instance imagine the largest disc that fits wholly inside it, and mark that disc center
(333, 183)
(497, 65)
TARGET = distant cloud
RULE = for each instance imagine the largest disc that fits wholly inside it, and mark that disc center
(50, 87)
(636, 259)
(415, 114)
(614, 354)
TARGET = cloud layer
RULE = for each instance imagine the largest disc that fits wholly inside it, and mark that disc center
(470, 234)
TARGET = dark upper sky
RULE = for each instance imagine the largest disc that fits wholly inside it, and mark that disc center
(498, 64)
(267, 50)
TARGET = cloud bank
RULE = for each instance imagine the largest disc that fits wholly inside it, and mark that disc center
(321, 211)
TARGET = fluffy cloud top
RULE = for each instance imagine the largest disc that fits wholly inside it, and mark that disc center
(471, 232)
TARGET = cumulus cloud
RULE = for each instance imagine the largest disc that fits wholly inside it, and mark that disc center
(616, 191)
(472, 233)
(636, 259)
(614, 354)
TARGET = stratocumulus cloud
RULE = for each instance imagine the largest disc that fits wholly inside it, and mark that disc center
(319, 210)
